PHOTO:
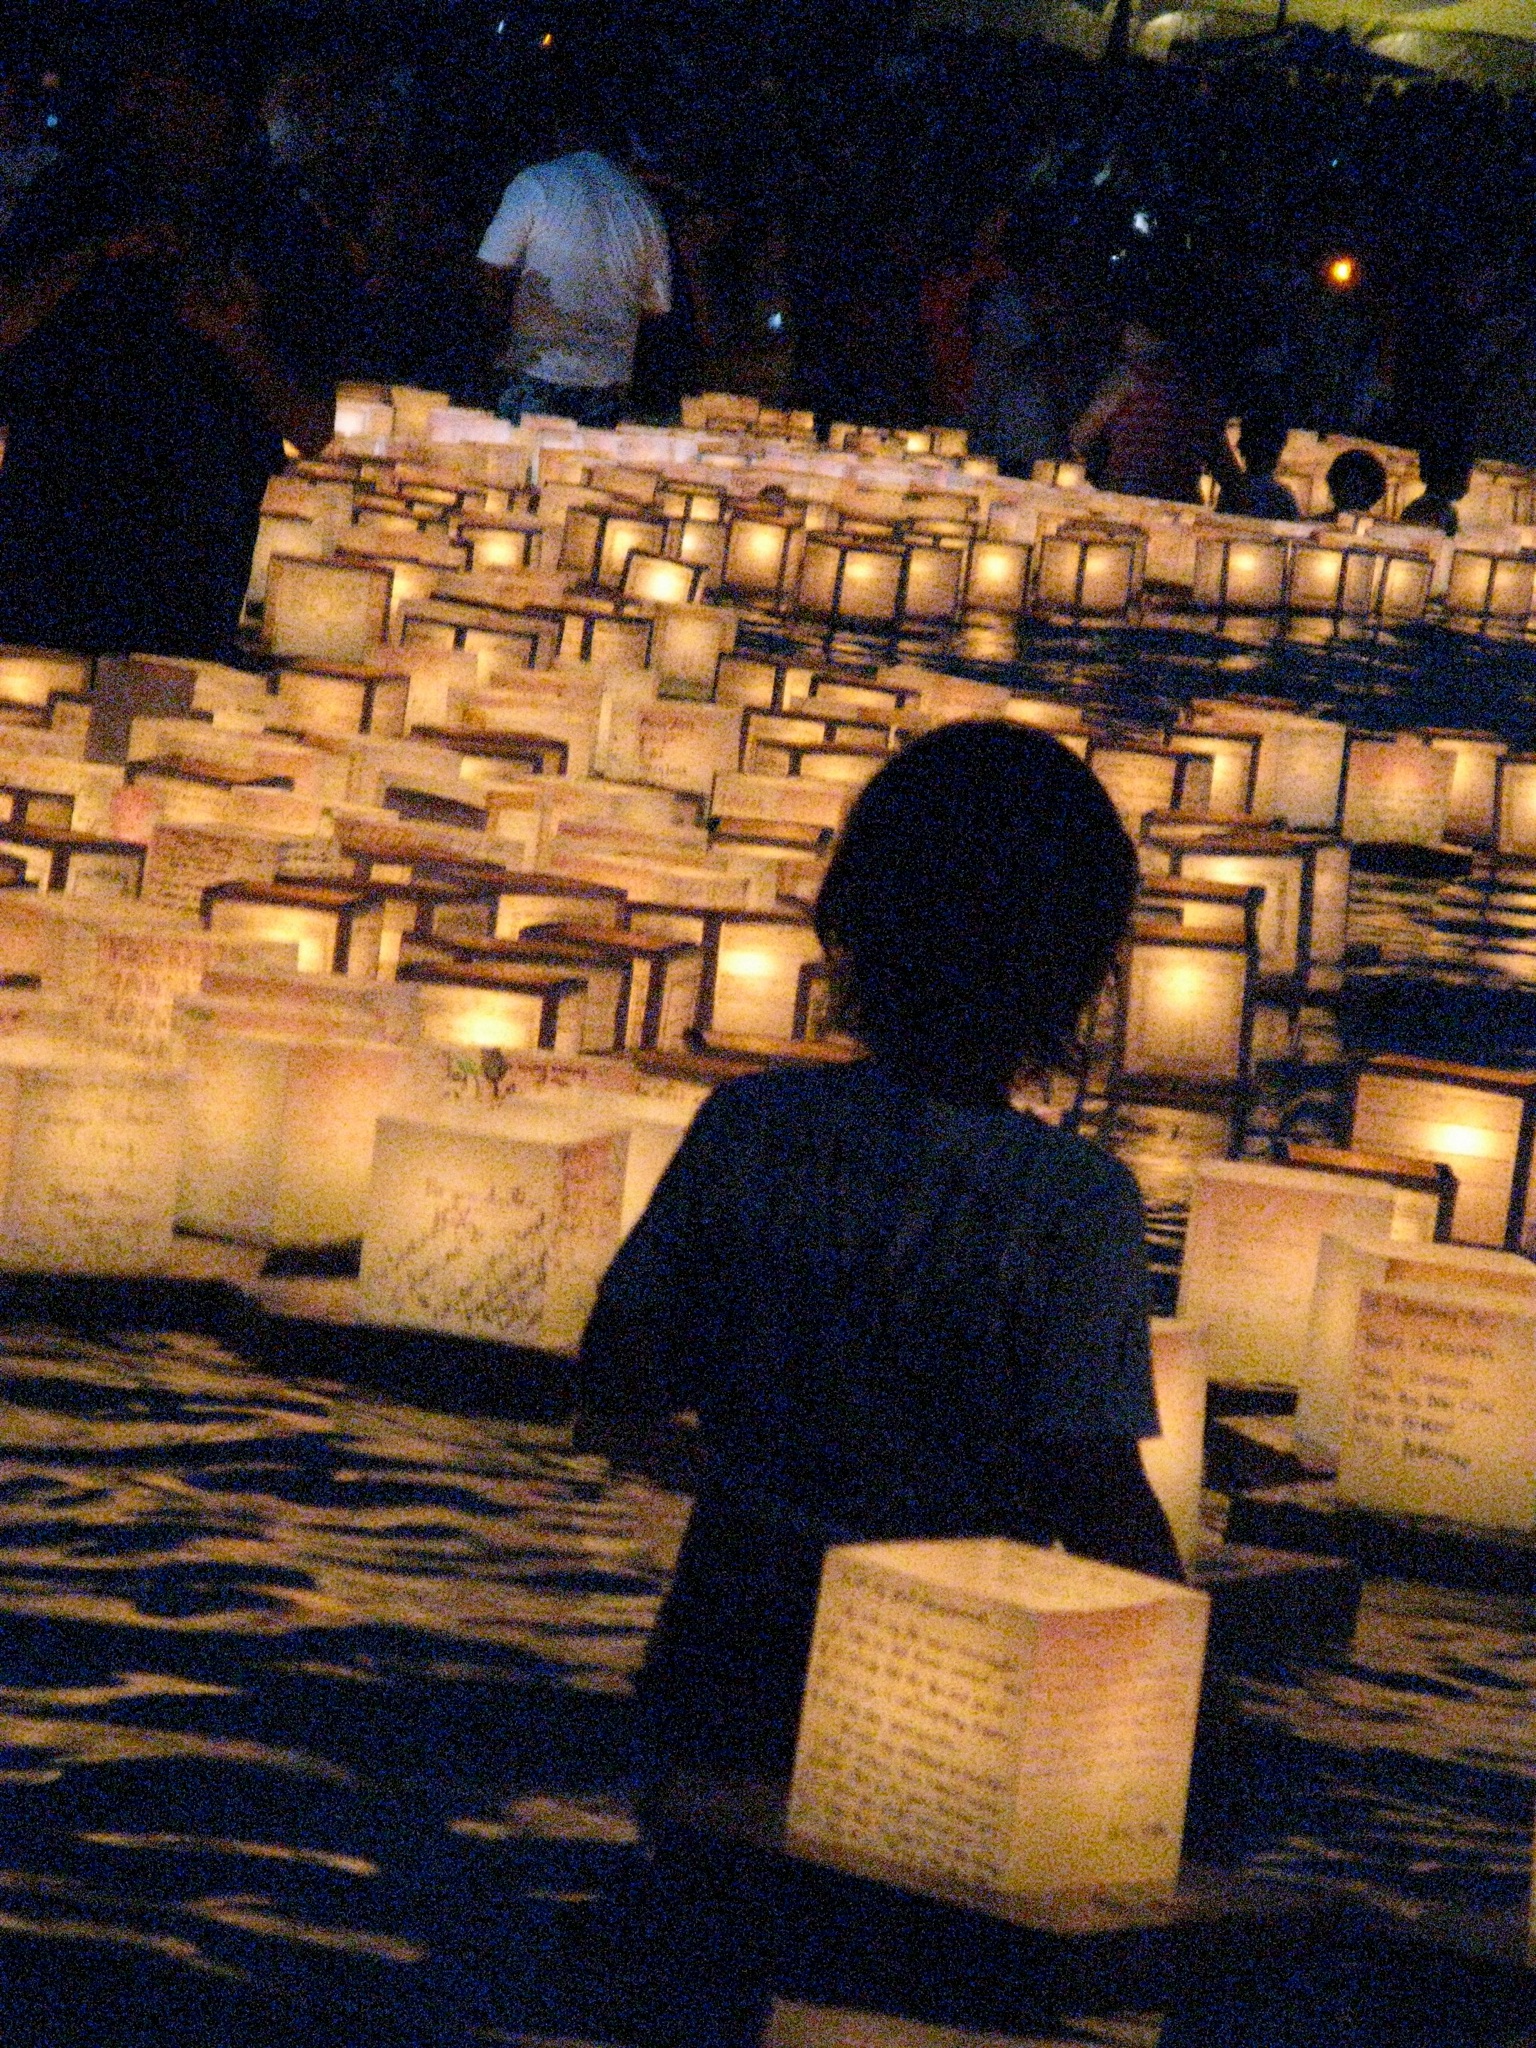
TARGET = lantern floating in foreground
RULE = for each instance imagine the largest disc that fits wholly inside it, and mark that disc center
(1004, 1718)
(1348, 1264)
(1397, 790)
(1250, 1259)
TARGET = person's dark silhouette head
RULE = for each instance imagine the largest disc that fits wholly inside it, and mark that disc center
(1446, 470)
(973, 907)
(1261, 441)
(1356, 481)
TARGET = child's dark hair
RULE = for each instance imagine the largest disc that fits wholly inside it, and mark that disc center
(973, 907)
(1356, 481)
(1261, 440)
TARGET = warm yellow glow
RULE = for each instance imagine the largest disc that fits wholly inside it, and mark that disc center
(1464, 1141)
(1342, 272)
(749, 966)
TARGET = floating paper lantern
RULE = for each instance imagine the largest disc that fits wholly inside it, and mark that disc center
(499, 1233)
(1184, 1010)
(1479, 1121)
(606, 974)
(94, 1146)
(1423, 1190)
(325, 611)
(341, 701)
(1143, 779)
(751, 973)
(701, 543)
(501, 544)
(1441, 1417)
(1065, 476)
(33, 675)
(1347, 1265)
(1250, 1260)
(1302, 919)
(850, 583)
(681, 746)
(1517, 805)
(1396, 790)
(500, 1006)
(989, 1715)
(336, 930)
(686, 646)
(1301, 760)
(279, 1134)
(598, 543)
(1087, 572)
(664, 977)
(1472, 810)
(755, 561)
(1239, 573)
(1174, 1459)
(930, 594)
(1234, 759)
(1403, 587)
(657, 579)
(998, 577)
(679, 501)
(1213, 910)
(1489, 590)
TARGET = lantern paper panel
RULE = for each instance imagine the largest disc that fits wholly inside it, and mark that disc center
(1174, 1459)
(1250, 1260)
(996, 1716)
(94, 1151)
(756, 976)
(1517, 807)
(1143, 779)
(1234, 759)
(1470, 1119)
(1471, 812)
(644, 738)
(325, 611)
(1346, 1265)
(1396, 791)
(1301, 761)
(1282, 876)
(1185, 1011)
(482, 1233)
(1442, 1408)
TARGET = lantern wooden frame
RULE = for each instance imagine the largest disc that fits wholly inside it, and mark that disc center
(1382, 1116)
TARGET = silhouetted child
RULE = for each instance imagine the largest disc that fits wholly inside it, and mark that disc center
(1256, 494)
(1446, 473)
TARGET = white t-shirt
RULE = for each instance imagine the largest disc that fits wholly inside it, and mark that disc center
(591, 255)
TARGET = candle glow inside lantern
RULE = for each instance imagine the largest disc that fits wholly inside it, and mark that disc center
(504, 1006)
(687, 644)
(1185, 1009)
(335, 930)
(1234, 759)
(1174, 1460)
(32, 675)
(657, 579)
(1239, 573)
(1088, 572)
(1472, 810)
(1478, 1121)
(335, 612)
(852, 583)
(997, 579)
(598, 543)
(320, 701)
(1065, 476)
(501, 544)
(1301, 761)
(1490, 590)
(94, 1149)
(1396, 791)
(1441, 1418)
(1303, 917)
(279, 1136)
(996, 1716)
(1346, 1266)
(1331, 579)
(1250, 1260)
(755, 560)
(497, 1231)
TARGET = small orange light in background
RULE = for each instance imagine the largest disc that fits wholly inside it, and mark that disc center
(1342, 272)
(546, 41)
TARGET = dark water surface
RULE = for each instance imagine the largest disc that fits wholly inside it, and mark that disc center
(313, 1716)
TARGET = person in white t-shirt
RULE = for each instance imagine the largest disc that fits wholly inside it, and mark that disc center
(578, 258)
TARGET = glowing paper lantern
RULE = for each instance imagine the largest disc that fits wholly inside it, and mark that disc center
(930, 594)
(598, 544)
(1143, 779)
(1174, 1460)
(1331, 579)
(325, 611)
(1346, 1266)
(756, 558)
(501, 543)
(94, 1150)
(1472, 811)
(686, 646)
(1184, 1010)
(1065, 476)
(34, 675)
(507, 1006)
(1004, 1718)
(684, 746)
(1250, 1260)
(1234, 759)
(1396, 790)
(1403, 587)
(279, 1134)
(1085, 574)
(998, 577)
(1301, 760)
(338, 701)
(1239, 573)
(480, 1232)
(752, 969)
(656, 579)
(854, 583)
(1441, 1417)
(1488, 590)
(1302, 920)
(1479, 1121)
(1517, 805)
(335, 930)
